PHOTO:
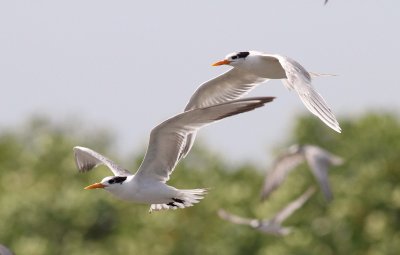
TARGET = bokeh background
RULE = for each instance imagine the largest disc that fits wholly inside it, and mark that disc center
(101, 74)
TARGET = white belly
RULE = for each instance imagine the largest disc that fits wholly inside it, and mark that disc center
(145, 192)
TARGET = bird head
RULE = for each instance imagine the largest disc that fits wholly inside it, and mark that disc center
(233, 59)
(108, 183)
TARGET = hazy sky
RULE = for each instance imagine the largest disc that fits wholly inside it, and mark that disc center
(128, 65)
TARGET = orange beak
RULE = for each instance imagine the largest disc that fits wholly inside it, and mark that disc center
(222, 62)
(95, 186)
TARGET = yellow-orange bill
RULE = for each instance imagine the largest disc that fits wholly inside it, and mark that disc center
(222, 62)
(95, 186)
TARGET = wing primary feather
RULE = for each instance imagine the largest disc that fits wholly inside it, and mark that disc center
(86, 159)
(293, 206)
(249, 107)
(167, 140)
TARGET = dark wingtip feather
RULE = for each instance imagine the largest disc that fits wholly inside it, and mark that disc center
(251, 106)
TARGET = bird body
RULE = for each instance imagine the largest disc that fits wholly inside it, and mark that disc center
(143, 191)
(267, 67)
(166, 143)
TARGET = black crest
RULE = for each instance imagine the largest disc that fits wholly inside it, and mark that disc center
(243, 54)
(117, 179)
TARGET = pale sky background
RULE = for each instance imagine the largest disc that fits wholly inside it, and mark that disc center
(128, 65)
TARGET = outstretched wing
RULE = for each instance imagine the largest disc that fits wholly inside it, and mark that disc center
(87, 159)
(234, 218)
(282, 166)
(299, 80)
(293, 206)
(319, 161)
(230, 85)
(167, 139)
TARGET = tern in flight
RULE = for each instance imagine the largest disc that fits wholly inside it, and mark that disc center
(274, 225)
(148, 185)
(251, 68)
(318, 160)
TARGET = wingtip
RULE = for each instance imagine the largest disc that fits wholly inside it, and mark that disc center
(268, 99)
(264, 100)
(75, 148)
(328, 197)
(263, 196)
(335, 126)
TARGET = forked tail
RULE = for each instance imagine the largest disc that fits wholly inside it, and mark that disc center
(186, 198)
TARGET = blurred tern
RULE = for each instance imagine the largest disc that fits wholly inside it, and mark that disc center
(148, 185)
(251, 68)
(274, 225)
(318, 160)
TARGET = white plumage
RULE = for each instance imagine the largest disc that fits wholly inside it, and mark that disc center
(251, 68)
(166, 143)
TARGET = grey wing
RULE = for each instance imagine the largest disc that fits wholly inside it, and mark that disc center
(282, 166)
(230, 85)
(293, 206)
(234, 218)
(318, 152)
(5, 251)
(87, 159)
(319, 162)
(167, 139)
(300, 80)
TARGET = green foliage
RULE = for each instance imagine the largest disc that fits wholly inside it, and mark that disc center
(44, 209)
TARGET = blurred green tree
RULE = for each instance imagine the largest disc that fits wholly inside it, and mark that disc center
(44, 210)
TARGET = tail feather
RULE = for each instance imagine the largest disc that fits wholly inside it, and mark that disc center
(187, 198)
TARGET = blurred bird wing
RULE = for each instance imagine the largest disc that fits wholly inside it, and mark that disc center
(318, 152)
(5, 251)
(299, 79)
(282, 166)
(87, 159)
(319, 161)
(293, 206)
(167, 139)
(234, 218)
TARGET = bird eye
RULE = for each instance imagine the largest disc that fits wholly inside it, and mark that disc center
(111, 181)
(234, 57)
